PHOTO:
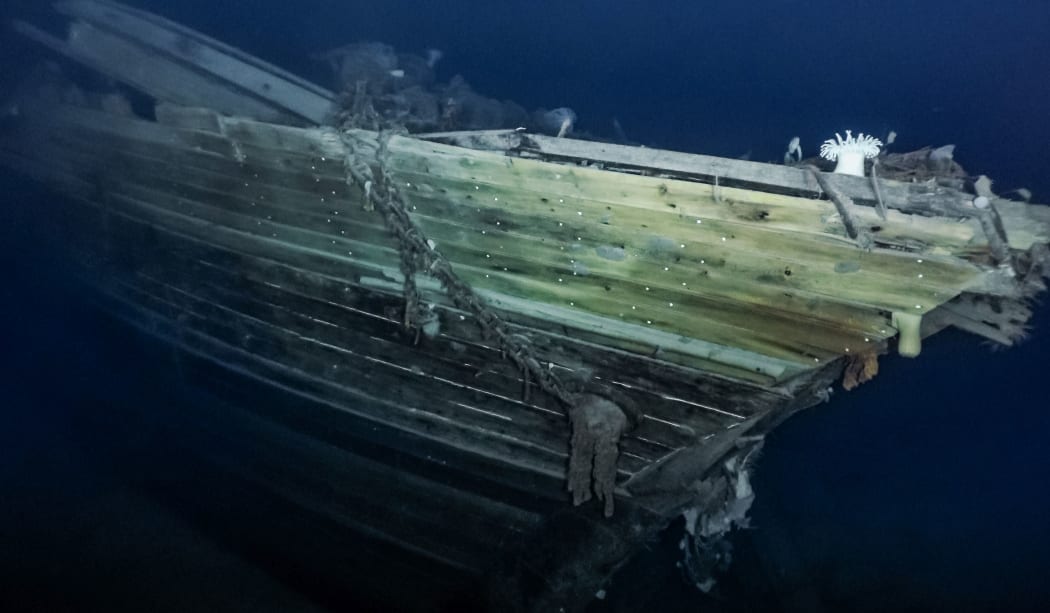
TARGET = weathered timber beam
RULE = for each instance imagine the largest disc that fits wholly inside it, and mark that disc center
(844, 204)
(672, 484)
(915, 198)
(124, 61)
(175, 64)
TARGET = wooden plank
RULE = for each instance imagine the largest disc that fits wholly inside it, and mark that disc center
(668, 343)
(915, 230)
(834, 344)
(830, 286)
(922, 198)
(175, 64)
(803, 216)
(624, 371)
(1025, 225)
(284, 90)
(887, 263)
(428, 458)
(490, 390)
(276, 240)
(391, 262)
(373, 365)
(709, 234)
(385, 500)
(421, 404)
(333, 325)
(360, 251)
(509, 384)
(192, 118)
(673, 422)
(323, 419)
(774, 178)
(129, 63)
(718, 326)
(637, 449)
(137, 309)
(602, 199)
(336, 301)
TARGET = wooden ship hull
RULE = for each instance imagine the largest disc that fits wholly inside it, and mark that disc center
(556, 287)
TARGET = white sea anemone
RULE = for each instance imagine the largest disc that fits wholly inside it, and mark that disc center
(850, 152)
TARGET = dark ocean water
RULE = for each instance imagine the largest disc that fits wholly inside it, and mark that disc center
(928, 490)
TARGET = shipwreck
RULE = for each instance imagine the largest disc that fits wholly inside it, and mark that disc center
(491, 357)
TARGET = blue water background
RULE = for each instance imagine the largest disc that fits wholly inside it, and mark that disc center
(928, 489)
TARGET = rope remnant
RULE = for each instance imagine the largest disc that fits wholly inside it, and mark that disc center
(597, 424)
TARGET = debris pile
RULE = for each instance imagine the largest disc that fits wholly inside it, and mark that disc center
(382, 89)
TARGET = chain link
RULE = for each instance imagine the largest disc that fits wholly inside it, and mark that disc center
(366, 168)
